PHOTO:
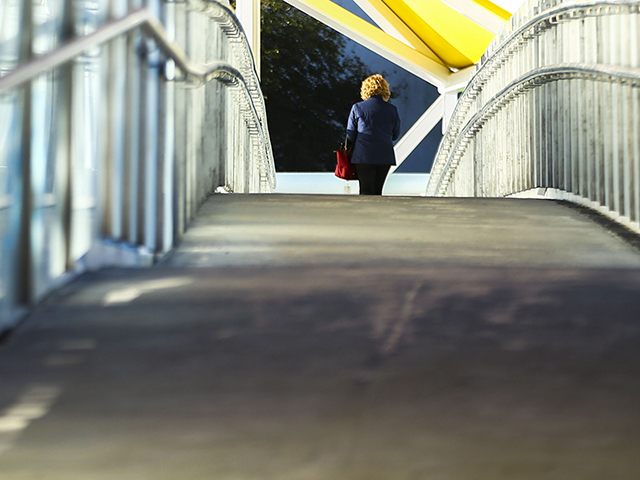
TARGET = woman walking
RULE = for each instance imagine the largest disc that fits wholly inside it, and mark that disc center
(372, 128)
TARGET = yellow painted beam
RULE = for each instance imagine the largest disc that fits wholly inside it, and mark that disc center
(429, 67)
(493, 8)
(458, 41)
(393, 25)
(477, 14)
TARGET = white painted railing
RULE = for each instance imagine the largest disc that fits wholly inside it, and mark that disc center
(552, 110)
(115, 125)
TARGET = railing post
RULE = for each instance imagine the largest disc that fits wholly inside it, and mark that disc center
(67, 103)
(167, 146)
(25, 265)
(180, 190)
(116, 112)
(149, 141)
(635, 124)
(130, 209)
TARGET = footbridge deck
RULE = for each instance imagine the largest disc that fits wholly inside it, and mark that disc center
(321, 337)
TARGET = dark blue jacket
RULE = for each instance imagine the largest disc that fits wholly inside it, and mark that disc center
(373, 126)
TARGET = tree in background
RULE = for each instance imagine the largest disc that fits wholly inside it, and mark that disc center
(309, 86)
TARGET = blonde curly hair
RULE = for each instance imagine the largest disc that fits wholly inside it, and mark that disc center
(375, 85)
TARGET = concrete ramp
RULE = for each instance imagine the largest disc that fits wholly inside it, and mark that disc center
(298, 230)
(340, 338)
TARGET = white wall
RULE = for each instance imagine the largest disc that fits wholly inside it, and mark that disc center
(410, 184)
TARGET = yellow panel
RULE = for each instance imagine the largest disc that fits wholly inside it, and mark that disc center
(397, 24)
(458, 41)
(369, 35)
(493, 8)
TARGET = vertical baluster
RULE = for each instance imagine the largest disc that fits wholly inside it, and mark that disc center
(581, 105)
(518, 106)
(563, 105)
(614, 140)
(180, 190)
(238, 158)
(502, 160)
(150, 177)
(132, 137)
(501, 152)
(634, 124)
(522, 130)
(553, 111)
(71, 87)
(625, 118)
(231, 152)
(105, 167)
(551, 103)
(221, 118)
(480, 162)
(538, 93)
(506, 168)
(572, 49)
(189, 150)
(166, 138)
(117, 110)
(25, 266)
(607, 108)
(232, 146)
(525, 131)
(545, 117)
(525, 144)
(601, 91)
(191, 131)
(490, 150)
(530, 142)
(590, 126)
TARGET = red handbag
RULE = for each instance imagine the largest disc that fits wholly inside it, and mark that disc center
(344, 168)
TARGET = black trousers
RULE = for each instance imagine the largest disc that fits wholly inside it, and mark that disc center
(371, 178)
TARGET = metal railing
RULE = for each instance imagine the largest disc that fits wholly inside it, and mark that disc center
(113, 130)
(552, 110)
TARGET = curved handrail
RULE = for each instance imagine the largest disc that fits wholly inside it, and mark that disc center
(535, 78)
(71, 50)
(152, 26)
(231, 26)
(553, 16)
(141, 18)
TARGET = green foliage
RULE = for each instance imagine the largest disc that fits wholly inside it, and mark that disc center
(309, 86)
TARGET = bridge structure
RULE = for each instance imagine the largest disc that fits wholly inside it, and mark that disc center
(487, 329)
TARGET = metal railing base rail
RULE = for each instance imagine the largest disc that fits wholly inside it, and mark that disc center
(543, 193)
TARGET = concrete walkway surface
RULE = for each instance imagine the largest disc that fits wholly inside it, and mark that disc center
(311, 337)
